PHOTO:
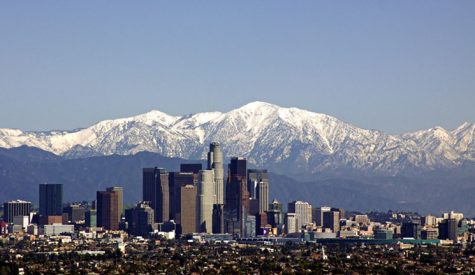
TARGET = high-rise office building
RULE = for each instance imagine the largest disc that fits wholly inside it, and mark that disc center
(205, 201)
(237, 196)
(156, 191)
(318, 213)
(51, 200)
(140, 219)
(15, 208)
(218, 218)
(91, 218)
(448, 229)
(249, 227)
(215, 163)
(331, 220)
(188, 211)
(291, 223)
(109, 205)
(410, 229)
(340, 210)
(303, 211)
(75, 213)
(275, 214)
(263, 196)
(258, 187)
(176, 180)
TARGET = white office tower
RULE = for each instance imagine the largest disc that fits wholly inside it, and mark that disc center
(205, 201)
(215, 162)
(291, 223)
(303, 211)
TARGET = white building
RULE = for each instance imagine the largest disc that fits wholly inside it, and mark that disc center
(303, 211)
(291, 223)
(215, 163)
(205, 201)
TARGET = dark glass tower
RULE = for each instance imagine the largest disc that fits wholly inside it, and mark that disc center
(51, 200)
(156, 191)
(237, 196)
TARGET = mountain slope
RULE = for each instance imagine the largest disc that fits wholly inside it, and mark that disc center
(23, 169)
(267, 135)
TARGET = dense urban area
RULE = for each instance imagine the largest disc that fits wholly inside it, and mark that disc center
(198, 221)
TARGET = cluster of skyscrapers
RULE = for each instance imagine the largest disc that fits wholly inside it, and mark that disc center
(197, 201)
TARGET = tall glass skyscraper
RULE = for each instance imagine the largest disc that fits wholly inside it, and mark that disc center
(51, 200)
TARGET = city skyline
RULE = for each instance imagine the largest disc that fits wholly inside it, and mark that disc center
(237, 137)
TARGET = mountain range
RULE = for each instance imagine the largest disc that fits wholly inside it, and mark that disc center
(267, 135)
(311, 156)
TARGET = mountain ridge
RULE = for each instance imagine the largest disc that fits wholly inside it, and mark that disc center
(267, 135)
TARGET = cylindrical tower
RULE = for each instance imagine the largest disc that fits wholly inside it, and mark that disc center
(215, 162)
(205, 201)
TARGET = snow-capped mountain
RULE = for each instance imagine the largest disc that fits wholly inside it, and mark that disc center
(265, 134)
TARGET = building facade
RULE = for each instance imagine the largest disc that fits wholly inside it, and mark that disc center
(156, 191)
(109, 207)
(215, 163)
(237, 196)
(140, 219)
(205, 201)
(303, 211)
(176, 180)
(188, 210)
(51, 200)
(15, 208)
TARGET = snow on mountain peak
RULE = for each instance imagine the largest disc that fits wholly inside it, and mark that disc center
(264, 133)
(155, 116)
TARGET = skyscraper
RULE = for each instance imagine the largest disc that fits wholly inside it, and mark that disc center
(218, 218)
(331, 220)
(109, 205)
(15, 208)
(188, 211)
(275, 215)
(237, 196)
(448, 229)
(303, 211)
(291, 223)
(176, 180)
(411, 229)
(51, 200)
(156, 191)
(319, 214)
(258, 187)
(140, 219)
(91, 218)
(75, 212)
(215, 162)
(205, 201)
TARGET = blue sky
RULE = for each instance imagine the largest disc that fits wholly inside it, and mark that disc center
(395, 66)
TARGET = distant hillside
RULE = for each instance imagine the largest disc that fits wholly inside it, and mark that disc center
(23, 168)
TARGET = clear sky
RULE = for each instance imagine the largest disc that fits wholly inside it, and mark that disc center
(395, 66)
